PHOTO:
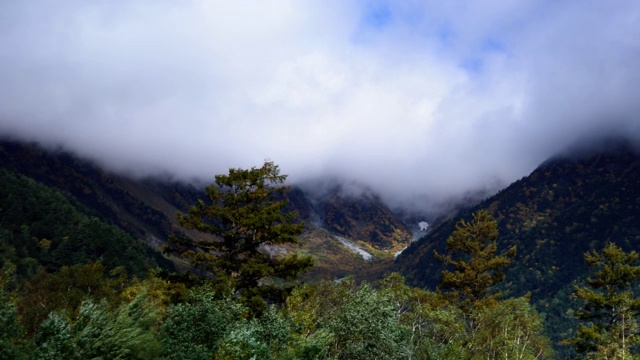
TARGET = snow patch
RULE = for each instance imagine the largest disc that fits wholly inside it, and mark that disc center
(353, 247)
(424, 227)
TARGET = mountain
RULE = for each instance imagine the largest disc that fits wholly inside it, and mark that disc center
(41, 228)
(340, 227)
(355, 212)
(569, 205)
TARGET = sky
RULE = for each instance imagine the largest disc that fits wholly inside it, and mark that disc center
(421, 101)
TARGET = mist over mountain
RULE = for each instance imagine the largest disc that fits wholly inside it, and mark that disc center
(341, 222)
(575, 202)
(423, 102)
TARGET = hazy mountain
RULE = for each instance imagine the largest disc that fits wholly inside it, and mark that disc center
(570, 204)
(340, 227)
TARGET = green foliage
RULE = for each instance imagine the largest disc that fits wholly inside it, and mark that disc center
(205, 327)
(359, 322)
(328, 320)
(438, 329)
(98, 333)
(194, 329)
(42, 294)
(367, 326)
(245, 210)
(512, 329)
(508, 329)
(11, 331)
(113, 198)
(263, 338)
(472, 247)
(55, 339)
(566, 207)
(161, 292)
(610, 328)
(40, 227)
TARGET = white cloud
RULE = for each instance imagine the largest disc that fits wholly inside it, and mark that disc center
(410, 98)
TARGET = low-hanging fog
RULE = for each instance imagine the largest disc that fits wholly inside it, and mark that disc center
(419, 100)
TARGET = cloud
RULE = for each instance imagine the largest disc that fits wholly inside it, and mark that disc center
(418, 100)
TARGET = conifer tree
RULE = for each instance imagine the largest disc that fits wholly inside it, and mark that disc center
(246, 211)
(610, 307)
(472, 249)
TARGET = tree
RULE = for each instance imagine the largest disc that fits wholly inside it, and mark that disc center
(438, 329)
(10, 330)
(246, 212)
(41, 294)
(512, 329)
(352, 322)
(509, 329)
(610, 306)
(194, 329)
(98, 333)
(472, 251)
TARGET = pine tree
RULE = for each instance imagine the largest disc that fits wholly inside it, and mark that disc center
(472, 249)
(610, 307)
(246, 212)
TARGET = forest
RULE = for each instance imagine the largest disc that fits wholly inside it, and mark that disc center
(75, 287)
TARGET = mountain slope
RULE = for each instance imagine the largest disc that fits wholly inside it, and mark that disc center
(40, 227)
(568, 206)
(95, 188)
(363, 217)
(147, 209)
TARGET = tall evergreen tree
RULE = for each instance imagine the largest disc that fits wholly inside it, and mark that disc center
(610, 307)
(472, 249)
(246, 212)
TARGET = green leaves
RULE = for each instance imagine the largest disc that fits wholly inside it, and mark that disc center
(368, 327)
(610, 309)
(509, 329)
(472, 251)
(99, 333)
(358, 322)
(245, 211)
(44, 228)
(11, 331)
(194, 330)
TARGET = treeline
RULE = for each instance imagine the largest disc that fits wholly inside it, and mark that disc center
(106, 316)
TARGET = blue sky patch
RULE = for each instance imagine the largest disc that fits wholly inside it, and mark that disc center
(377, 16)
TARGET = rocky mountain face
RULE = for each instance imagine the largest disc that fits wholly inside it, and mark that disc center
(339, 227)
(359, 216)
(569, 205)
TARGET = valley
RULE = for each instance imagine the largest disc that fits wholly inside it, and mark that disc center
(571, 204)
(343, 233)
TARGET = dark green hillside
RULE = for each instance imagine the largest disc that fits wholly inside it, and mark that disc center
(96, 189)
(564, 208)
(40, 227)
(146, 209)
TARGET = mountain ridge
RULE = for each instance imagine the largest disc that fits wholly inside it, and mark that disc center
(146, 208)
(570, 204)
